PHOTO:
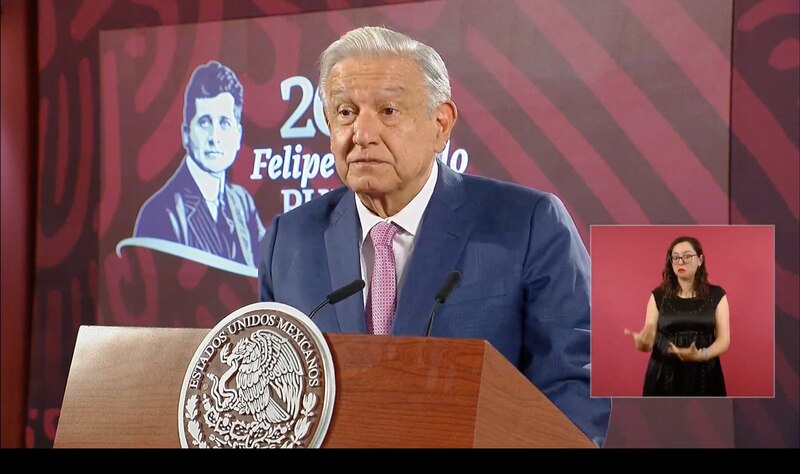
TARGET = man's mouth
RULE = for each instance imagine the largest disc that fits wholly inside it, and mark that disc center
(366, 163)
(364, 160)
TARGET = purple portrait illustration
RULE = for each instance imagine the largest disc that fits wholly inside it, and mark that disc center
(198, 214)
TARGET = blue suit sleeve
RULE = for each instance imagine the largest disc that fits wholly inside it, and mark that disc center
(557, 303)
(266, 290)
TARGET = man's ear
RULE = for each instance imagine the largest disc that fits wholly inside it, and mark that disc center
(446, 116)
(185, 136)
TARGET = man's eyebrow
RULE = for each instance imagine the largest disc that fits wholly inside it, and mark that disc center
(336, 92)
(393, 89)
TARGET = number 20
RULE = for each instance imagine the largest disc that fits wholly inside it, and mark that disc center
(290, 129)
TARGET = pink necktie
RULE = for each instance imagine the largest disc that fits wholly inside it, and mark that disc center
(381, 299)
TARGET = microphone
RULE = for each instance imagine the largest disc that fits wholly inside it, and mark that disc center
(342, 293)
(449, 285)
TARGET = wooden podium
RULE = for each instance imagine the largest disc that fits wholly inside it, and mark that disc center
(124, 387)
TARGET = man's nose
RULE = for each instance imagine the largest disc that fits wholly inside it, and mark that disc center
(366, 129)
(214, 133)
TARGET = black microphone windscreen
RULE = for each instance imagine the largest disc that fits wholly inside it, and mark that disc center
(449, 285)
(346, 291)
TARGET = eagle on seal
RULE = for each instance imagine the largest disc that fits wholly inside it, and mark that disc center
(269, 378)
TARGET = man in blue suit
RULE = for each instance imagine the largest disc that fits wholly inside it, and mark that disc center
(525, 285)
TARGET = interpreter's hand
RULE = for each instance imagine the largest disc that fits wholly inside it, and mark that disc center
(691, 353)
(643, 339)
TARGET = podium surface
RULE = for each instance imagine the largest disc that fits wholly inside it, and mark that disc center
(124, 388)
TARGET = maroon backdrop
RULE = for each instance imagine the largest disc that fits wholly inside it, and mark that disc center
(765, 189)
(509, 125)
(20, 95)
(634, 113)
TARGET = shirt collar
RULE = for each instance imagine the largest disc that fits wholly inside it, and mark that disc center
(409, 218)
(210, 186)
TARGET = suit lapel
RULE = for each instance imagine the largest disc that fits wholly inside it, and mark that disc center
(441, 241)
(344, 263)
(200, 223)
(186, 198)
(240, 224)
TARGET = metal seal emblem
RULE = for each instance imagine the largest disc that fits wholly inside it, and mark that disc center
(262, 378)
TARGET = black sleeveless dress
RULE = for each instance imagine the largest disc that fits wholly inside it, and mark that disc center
(683, 321)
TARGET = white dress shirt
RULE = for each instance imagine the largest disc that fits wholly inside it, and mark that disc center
(408, 220)
(210, 186)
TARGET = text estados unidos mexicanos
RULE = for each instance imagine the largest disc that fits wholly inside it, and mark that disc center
(286, 327)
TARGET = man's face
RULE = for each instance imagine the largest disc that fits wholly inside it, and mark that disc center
(214, 136)
(382, 135)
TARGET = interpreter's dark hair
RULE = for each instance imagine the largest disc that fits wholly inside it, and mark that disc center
(669, 280)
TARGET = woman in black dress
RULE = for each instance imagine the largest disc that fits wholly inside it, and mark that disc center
(686, 327)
